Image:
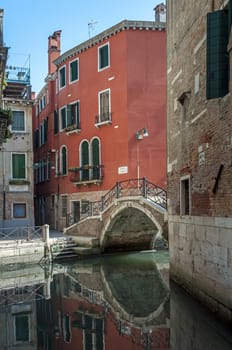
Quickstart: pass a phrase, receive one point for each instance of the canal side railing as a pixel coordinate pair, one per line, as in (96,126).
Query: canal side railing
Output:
(23,234)
(128,188)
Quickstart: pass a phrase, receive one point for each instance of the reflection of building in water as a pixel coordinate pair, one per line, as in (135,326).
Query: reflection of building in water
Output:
(103,307)
(111,304)
(22,293)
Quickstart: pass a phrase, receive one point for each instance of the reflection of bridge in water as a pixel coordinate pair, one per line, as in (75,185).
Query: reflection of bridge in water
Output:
(128,217)
(84,300)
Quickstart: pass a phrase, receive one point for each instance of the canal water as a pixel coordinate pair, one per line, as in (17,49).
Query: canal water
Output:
(113,302)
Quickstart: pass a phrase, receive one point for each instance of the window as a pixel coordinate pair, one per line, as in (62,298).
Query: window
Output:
(217,60)
(63,122)
(56,122)
(95,157)
(36,138)
(43,131)
(104,107)
(73,71)
(90,160)
(85,160)
(18,166)
(185,196)
(62,77)
(73,115)
(63,165)
(64,205)
(19,210)
(93,333)
(67,328)
(18,123)
(103,57)
(22,328)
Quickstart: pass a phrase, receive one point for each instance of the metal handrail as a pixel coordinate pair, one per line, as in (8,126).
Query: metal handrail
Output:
(127,188)
(25,233)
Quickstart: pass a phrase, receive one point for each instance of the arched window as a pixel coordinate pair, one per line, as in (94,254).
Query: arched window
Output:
(95,158)
(63,163)
(85,160)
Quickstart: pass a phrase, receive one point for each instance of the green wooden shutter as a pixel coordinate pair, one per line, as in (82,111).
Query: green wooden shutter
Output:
(104,56)
(69,115)
(217,59)
(74,70)
(78,115)
(85,159)
(63,118)
(56,125)
(36,139)
(18,166)
(45,129)
(96,158)
(64,161)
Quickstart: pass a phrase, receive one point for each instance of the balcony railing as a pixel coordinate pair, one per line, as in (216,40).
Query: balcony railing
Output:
(86,174)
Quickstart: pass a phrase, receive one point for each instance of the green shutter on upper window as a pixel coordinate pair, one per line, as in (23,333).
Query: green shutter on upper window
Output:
(95,152)
(104,56)
(69,115)
(18,166)
(64,160)
(217,56)
(85,160)
(36,138)
(63,118)
(56,125)
(74,70)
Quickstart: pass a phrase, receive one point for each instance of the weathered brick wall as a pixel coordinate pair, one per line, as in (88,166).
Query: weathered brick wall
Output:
(206,128)
(199,142)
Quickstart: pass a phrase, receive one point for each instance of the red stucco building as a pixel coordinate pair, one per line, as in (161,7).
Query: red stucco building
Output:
(100,101)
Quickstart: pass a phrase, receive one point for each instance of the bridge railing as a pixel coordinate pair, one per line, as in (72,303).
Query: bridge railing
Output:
(128,188)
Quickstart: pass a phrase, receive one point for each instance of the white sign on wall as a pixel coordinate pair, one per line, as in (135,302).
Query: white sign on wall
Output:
(123,170)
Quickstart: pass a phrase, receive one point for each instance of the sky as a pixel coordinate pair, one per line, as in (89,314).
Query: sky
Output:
(27,24)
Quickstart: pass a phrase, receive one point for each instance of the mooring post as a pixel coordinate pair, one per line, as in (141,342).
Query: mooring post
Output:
(46,233)
(47,251)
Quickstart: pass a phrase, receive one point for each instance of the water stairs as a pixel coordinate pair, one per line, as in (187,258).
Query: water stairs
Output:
(70,247)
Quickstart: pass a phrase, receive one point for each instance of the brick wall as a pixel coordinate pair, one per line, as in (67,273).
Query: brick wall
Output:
(199,146)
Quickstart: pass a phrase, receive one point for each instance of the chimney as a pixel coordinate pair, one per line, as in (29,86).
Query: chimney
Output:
(160,12)
(53,50)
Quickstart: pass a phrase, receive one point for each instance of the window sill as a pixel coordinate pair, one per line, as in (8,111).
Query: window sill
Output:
(19,182)
(73,131)
(107,122)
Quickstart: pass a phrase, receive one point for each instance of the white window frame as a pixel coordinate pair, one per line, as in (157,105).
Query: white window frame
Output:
(25,156)
(24,115)
(73,81)
(98,63)
(12,211)
(100,121)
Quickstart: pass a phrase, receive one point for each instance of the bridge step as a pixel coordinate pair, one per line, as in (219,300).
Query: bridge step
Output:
(86,242)
(86,251)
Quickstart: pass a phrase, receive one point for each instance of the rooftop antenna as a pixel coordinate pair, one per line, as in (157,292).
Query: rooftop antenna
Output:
(91,25)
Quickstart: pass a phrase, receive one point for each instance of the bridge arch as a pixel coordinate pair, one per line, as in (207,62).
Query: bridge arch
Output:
(131,222)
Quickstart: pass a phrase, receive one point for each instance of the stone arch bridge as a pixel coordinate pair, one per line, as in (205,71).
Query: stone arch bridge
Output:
(128,217)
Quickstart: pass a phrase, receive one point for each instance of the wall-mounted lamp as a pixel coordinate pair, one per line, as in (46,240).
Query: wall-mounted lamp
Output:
(140,134)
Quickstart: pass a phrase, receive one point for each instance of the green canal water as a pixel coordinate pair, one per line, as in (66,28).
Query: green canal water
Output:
(122,301)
